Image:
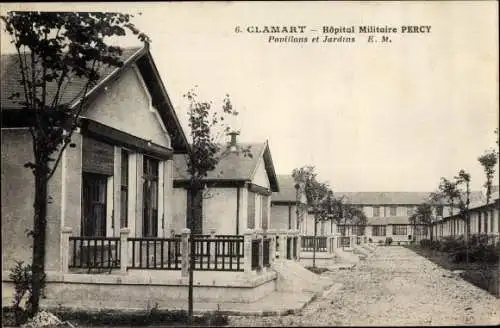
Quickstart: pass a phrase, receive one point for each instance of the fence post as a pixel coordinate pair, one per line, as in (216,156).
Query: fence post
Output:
(260,236)
(272,250)
(185,233)
(212,245)
(283,244)
(66,233)
(299,246)
(247,251)
(328,244)
(124,232)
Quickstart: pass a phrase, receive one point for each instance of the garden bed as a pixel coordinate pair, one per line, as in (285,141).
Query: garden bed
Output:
(317,270)
(483,275)
(127,318)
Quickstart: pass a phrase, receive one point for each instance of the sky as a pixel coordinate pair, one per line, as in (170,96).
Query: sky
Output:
(369,116)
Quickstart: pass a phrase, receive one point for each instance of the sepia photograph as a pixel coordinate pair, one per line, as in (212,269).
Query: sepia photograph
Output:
(239,163)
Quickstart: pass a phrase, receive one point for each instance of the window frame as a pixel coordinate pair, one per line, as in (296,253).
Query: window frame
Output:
(377,230)
(399,229)
(149,212)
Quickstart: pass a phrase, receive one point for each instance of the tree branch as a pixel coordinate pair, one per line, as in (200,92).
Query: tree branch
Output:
(67,139)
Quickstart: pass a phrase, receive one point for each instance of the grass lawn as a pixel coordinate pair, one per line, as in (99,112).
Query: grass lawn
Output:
(483,275)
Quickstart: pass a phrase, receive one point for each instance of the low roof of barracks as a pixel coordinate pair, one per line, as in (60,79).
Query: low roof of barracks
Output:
(380,198)
(234,167)
(14,114)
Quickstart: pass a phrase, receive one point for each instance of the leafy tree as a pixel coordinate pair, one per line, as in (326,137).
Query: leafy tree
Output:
(207,126)
(489,161)
(423,216)
(56,50)
(316,194)
(464,178)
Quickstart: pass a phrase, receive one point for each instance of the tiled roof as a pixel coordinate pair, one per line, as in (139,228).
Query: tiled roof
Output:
(10,75)
(287,191)
(387,220)
(13,116)
(390,198)
(232,166)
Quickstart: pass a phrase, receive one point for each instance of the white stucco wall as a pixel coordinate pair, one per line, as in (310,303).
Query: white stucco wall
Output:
(260,177)
(177,221)
(279,216)
(219,211)
(17,203)
(126,106)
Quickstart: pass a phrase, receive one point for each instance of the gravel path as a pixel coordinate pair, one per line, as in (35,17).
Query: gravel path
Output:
(393,287)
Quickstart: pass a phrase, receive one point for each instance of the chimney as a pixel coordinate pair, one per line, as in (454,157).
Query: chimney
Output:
(233,147)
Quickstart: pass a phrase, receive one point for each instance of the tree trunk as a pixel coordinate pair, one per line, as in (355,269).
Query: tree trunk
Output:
(193,217)
(314,241)
(39,240)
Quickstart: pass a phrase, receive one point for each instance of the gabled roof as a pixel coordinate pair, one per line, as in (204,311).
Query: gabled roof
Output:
(391,198)
(234,166)
(287,192)
(14,115)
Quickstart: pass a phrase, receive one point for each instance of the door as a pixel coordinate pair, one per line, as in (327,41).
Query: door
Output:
(94,188)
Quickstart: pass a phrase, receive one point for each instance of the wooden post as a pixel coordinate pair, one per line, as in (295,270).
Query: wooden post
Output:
(65,249)
(124,232)
(185,233)
(299,246)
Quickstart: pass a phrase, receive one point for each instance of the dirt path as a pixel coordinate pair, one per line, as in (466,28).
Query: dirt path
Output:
(395,287)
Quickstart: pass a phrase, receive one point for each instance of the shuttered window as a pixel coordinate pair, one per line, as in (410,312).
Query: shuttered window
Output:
(251,210)
(150,197)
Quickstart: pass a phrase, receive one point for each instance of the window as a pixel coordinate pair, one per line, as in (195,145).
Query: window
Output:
(251,210)
(341,229)
(376,211)
(378,230)
(94,193)
(439,210)
(124,190)
(392,211)
(479,223)
(358,230)
(150,197)
(399,229)
(264,204)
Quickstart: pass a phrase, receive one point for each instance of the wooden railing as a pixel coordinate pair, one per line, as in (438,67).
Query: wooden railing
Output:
(344,241)
(309,243)
(99,253)
(222,253)
(155,253)
(253,251)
